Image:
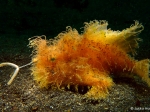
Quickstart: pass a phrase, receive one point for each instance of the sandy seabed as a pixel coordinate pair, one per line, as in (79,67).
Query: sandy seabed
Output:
(24,95)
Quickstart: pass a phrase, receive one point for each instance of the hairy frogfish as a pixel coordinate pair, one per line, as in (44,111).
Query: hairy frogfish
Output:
(88,59)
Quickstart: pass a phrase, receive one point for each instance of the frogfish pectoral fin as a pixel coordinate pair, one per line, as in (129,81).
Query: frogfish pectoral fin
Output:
(100,86)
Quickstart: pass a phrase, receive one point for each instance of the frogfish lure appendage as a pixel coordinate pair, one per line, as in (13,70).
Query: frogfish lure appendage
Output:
(88,59)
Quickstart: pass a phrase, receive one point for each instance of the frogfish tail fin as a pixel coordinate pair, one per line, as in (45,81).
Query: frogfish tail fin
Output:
(141,68)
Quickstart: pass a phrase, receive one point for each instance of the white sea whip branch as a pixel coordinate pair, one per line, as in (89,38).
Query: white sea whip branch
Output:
(16,71)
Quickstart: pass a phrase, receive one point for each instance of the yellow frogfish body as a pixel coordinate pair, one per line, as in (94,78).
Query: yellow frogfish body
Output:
(88,59)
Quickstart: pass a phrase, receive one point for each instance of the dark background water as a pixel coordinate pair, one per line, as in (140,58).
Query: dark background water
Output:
(22,19)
